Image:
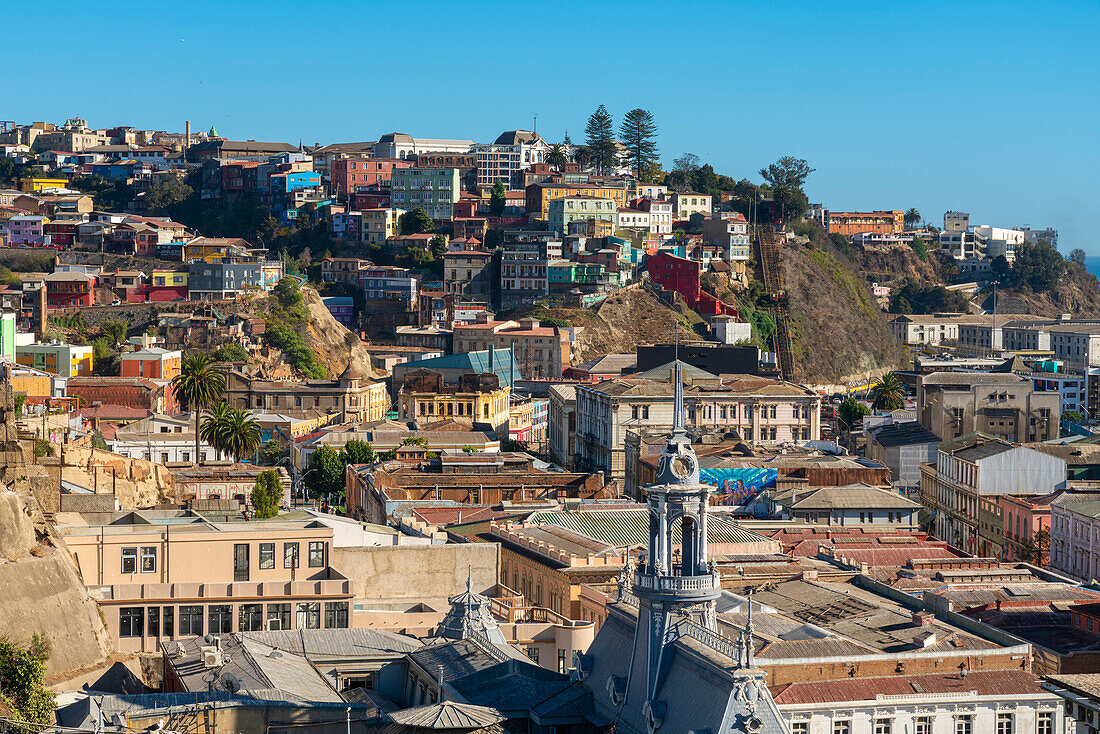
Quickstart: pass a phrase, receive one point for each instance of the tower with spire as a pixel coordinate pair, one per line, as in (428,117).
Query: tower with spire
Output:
(670,588)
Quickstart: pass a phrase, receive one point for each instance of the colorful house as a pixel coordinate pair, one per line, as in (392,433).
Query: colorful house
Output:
(153,362)
(27,230)
(66,360)
(685,277)
(69,289)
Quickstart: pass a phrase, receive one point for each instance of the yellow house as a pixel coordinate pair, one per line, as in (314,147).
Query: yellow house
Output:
(379,224)
(169,278)
(478,398)
(66,360)
(540,195)
(34,185)
(32,383)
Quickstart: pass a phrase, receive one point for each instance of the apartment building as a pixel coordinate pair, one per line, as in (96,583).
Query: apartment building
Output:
(660,216)
(730,233)
(435,190)
(343,269)
(162,575)
(378,225)
(760,410)
(540,195)
(540,352)
(953,404)
(506,158)
(963,490)
(569,209)
(153,362)
(1075,537)
(684,204)
(388,283)
(468,273)
(524,274)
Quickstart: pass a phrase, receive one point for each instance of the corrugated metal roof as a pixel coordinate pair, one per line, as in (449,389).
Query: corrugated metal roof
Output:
(630,527)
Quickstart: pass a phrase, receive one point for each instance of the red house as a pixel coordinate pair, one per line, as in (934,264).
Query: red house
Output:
(69,289)
(351,174)
(373,198)
(60,233)
(685,277)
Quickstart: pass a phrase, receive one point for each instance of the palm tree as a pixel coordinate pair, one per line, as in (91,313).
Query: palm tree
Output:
(556,156)
(889,393)
(198,385)
(582,155)
(213,429)
(912,217)
(242,434)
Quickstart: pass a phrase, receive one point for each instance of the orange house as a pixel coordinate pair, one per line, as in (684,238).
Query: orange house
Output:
(153,363)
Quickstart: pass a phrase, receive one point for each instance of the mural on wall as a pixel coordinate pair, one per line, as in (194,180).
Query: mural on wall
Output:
(738,487)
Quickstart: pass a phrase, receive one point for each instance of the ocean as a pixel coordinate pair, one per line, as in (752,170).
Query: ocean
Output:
(1092,264)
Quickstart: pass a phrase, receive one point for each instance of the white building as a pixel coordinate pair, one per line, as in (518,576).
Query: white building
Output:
(956,221)
(981,702)
(161,439)
(632,219)
(401,145)
(1075,537)
(507,157)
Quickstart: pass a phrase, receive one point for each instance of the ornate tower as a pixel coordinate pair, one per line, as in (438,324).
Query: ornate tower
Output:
(668,588)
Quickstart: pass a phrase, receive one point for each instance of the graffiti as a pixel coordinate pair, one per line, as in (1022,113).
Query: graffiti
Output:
(738,487)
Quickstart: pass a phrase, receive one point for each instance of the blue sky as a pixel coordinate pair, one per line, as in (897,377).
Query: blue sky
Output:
(987,107)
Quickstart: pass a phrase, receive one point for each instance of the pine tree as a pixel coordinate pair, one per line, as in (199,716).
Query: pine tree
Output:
(639,134)
(497,199)
(600,133)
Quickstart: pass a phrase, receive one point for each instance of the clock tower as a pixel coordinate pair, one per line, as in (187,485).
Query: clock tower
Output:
(670,588)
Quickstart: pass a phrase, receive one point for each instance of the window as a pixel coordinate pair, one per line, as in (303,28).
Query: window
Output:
(250,618)
(800,727)
(533,654)
(561,660)
(221,619)
(336,615)
(131,622)
(1005,723)
(316,554)
(191,620)
(267,556)
(1045,722)
(883,726)
(964,724)
(129,560)
(278,617)
(148,559)
(842,727)
(154,621)
(309,615)
(290,555)
(169,614)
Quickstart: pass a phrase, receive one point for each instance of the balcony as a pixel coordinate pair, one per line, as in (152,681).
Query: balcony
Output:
(672,584)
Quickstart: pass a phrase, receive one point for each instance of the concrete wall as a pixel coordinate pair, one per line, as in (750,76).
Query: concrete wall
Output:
(417,572)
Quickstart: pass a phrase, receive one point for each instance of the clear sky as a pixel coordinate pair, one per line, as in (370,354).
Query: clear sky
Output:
(986,107)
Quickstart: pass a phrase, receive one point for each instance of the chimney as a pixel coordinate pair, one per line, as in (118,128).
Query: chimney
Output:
(186,139)
(491,352)
(922,618)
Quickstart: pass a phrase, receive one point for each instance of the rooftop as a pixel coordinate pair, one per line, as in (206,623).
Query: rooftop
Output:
(976,683)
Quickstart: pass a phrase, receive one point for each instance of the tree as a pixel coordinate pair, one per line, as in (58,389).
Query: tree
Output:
(415,221)
(556,156)
(287,292)
(267,495)
(114,331)
(1077,255)
(786,178)
(920,248)
(639,135)
(439,246)
(198,386)
(358,452)
(582,156)
(911,217)
(215,426)
(497,199)
(1039,266)
(600,137)
(232,352)
(270,452)
(850,411)
(889,393)
(242,436)
(103,356)
(686,163)
(22,670)
(324,477)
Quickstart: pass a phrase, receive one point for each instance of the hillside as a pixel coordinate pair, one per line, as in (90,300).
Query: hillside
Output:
(627,318)
(839,331)
(1077,293)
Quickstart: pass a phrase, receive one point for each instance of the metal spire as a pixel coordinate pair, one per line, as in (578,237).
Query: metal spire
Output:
(678,405)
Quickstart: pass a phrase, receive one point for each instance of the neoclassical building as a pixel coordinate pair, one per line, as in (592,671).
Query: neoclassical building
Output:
(354,397)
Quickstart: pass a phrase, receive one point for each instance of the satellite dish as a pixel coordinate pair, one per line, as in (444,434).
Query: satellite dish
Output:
(231,682)
(209,639)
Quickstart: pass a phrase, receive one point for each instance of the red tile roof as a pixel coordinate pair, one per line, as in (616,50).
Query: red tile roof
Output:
(985,683)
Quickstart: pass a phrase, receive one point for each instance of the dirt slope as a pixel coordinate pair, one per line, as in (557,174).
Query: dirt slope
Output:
(838,329)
